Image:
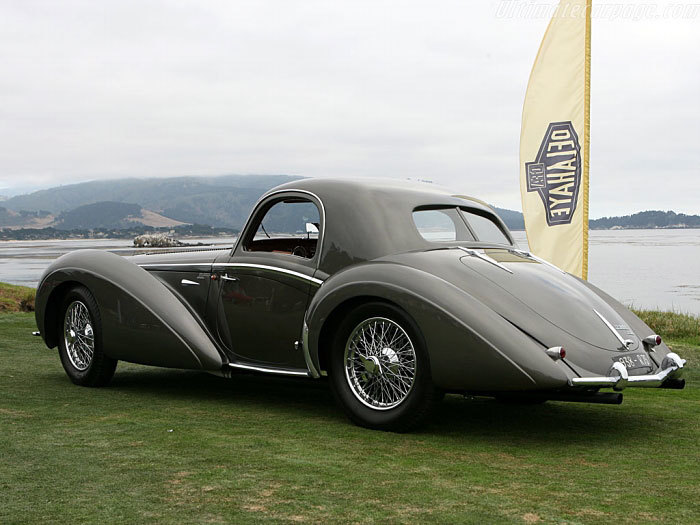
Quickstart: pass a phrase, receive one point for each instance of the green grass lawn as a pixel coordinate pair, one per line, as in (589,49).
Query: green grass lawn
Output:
(173,446)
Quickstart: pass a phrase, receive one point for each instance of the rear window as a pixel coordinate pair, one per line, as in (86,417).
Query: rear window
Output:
(441,225)
(485,228)
(457,224)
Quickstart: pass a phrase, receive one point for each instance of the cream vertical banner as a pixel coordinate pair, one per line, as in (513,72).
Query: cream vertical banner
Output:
(554,141)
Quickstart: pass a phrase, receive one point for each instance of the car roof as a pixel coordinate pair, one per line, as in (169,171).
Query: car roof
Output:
(424,193)
(368,218)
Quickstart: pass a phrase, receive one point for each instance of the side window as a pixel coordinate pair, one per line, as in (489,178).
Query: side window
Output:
(485,228)
(441,225)
(290,226)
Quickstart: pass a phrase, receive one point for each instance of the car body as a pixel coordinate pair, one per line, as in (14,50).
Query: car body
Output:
(439,271)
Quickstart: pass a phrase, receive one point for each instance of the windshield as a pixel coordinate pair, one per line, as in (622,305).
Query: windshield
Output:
(450,224)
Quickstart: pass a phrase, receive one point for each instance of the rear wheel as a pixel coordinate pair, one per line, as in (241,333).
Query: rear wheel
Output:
(379,369)
(80,340)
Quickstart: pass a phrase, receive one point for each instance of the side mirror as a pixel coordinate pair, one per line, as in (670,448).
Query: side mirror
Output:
(311,227)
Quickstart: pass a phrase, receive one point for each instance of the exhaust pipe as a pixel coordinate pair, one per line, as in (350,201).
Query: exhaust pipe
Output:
(673,384)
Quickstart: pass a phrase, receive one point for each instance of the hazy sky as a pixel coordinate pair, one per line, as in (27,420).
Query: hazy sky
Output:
(421,89)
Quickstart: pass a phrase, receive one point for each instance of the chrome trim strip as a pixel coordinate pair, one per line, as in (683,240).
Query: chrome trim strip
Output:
(307,353)
(484,257)
(277,269)
(671,367)
(196,267)
(626,343)
(269,370)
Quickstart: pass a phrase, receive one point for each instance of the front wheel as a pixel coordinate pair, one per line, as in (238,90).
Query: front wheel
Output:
(380,371)
(80,340)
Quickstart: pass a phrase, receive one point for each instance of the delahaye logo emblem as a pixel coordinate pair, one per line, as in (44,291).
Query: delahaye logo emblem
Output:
(556,172)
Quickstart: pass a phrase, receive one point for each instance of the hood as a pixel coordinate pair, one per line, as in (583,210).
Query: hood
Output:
(536,297)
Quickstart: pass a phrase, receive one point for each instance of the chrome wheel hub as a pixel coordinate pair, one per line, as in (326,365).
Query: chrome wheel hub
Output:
(380,363)
(78,335)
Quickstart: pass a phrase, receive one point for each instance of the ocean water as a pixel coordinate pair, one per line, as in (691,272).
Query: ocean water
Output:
(657,269)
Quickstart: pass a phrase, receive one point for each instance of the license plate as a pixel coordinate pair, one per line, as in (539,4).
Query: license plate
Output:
(632,361)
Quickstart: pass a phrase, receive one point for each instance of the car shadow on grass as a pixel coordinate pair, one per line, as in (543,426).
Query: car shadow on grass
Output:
(552,422)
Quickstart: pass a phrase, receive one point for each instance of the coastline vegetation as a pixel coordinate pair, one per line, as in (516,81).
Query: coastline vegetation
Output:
(672,325)
(15,298)
(187,230)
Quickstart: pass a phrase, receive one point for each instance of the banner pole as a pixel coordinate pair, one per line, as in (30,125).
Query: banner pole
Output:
(586,137)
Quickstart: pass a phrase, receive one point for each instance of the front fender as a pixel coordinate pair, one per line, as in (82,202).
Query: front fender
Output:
(142,321)
(470,346)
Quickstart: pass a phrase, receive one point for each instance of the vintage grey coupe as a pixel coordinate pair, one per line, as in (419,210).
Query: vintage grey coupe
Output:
(397,292)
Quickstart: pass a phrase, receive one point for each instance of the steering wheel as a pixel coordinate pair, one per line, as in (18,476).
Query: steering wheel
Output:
(300,251)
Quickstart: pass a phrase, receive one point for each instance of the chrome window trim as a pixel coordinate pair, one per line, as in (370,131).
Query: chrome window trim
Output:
(263,199)
(266,267)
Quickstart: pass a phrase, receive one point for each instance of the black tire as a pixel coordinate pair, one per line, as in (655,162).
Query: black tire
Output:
(97,370)
(420,400)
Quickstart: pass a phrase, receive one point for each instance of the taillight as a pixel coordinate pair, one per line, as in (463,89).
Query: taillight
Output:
(556,352)
(653,340)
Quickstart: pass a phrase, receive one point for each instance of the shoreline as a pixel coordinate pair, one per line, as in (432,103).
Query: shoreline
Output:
(234,235)
(69,237)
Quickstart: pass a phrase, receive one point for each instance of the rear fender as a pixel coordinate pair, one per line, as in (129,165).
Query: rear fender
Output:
(470,347)
(142,320)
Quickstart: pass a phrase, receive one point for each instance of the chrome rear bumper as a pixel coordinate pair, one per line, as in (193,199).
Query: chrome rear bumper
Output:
(619,379)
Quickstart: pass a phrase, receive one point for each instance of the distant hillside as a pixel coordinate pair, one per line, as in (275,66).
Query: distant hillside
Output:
(220,202)
(24,218)
(110,215)
(223,201)
(647,220)
(513,219)
(642,220)
(105,215)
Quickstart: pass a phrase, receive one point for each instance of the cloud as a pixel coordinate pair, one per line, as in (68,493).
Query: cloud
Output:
(365,88)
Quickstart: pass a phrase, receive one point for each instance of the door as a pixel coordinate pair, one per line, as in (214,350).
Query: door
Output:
(266,285)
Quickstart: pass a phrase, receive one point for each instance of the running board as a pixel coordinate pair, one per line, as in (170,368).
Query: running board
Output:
(298,372)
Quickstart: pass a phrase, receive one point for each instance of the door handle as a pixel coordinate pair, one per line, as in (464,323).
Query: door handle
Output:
(225,277)
(187,282)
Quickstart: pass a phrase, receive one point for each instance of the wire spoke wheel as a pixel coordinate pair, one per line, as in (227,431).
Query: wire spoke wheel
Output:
(78,334)
(380,363)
